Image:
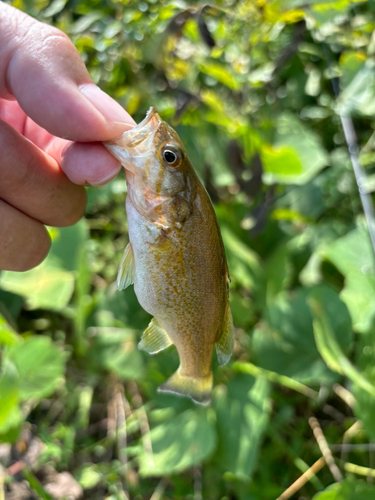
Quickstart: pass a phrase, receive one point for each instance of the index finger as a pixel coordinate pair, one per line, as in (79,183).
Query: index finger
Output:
(43,71)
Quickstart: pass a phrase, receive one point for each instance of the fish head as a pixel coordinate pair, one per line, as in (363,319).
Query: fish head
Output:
(153,156)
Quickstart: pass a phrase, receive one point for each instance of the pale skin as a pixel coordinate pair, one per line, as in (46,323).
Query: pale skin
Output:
(52,121)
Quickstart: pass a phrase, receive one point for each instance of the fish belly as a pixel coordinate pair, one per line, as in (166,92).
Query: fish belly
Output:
(178,280)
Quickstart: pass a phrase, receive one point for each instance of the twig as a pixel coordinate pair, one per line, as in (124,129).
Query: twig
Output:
(370,479)
(353,430)
(353,447)
(337,415)
(159,490)
(348,434)
(197,482)
(2,477)
(15,468)
(324,448)
(143,421)
(302,480)
(360,176)
(358,469)
(111,412)
(290,383)
(359,173)
(345,395)
(121,434)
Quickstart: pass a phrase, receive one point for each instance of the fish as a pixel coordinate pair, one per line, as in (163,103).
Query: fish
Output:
(175,256)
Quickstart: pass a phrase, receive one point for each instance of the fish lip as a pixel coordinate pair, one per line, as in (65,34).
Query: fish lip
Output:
(140,132)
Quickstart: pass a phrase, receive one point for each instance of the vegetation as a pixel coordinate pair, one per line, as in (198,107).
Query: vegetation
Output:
(250,88)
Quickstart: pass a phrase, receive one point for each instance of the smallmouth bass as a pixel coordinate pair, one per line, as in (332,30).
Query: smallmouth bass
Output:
(175,256)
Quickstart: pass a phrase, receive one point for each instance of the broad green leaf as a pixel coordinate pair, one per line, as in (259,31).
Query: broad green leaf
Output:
(54,8)
(186,440)
(220,73)
(51,284)
(286,343)
(242,412)
(67,245)
(115,349)
(85,22)
(7,335)
(350,64)
(280,161)
(244,263)
(349,489)
(353,256)
(40,366)
(364,408)
(359,96)
(328,346)
(297,153)
(277,272)
(9,396)
(88,477)
(44,287)
(10,303)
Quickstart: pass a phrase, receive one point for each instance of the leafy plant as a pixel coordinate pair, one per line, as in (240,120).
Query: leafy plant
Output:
(249,87)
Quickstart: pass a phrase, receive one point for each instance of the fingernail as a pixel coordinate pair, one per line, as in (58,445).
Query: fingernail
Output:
(109,108)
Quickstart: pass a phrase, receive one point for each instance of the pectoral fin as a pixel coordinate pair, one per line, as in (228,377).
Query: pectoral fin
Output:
(154,338)
(224,346)
(126,270)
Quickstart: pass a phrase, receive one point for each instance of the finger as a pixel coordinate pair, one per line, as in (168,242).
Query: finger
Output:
(88,164)
(24,241)
(34,183)
(42,69)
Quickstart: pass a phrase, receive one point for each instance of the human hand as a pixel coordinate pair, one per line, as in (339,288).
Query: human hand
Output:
(52,120)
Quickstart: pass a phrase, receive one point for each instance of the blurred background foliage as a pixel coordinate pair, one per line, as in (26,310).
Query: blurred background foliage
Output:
(248,85)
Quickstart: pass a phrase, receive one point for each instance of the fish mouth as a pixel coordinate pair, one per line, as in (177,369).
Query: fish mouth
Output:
(131,138)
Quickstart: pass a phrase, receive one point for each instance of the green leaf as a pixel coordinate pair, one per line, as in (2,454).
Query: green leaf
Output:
(349,489)
(280,161)
(40,366)
(179,443)
(244,263)
(67,245)
(286,343)
(359,96)
(364,408)
(353,256)
(7,335)
(277,272)
(328,345)
(220,73)
(297,153)
(44,287)
(242,412)
(9,397)
(115,349)
(85,22)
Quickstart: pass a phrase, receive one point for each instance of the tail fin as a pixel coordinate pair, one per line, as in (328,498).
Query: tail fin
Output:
(199,389)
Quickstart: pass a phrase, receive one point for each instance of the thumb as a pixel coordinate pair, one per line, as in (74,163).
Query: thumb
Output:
(43,71)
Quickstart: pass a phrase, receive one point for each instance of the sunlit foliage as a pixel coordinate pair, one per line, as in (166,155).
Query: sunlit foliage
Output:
(250,87)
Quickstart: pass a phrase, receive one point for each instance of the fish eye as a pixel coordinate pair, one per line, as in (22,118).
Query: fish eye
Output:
(171,156)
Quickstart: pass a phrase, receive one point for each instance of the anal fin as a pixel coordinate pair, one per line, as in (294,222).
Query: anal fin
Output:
(154,338)
(225,344)
(126,270)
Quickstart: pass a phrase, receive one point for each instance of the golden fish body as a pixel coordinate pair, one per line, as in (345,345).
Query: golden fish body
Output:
(175,256)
